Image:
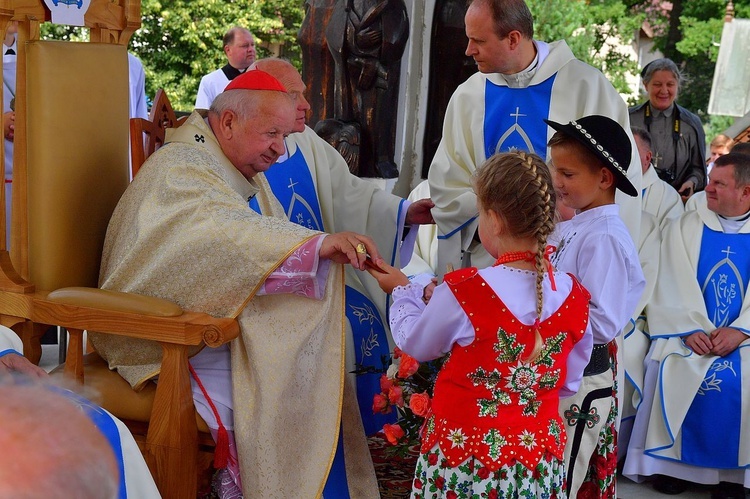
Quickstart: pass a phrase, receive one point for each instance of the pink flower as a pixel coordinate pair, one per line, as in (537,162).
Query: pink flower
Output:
(396,396)
(396,352)
(408,366)
(393,432)
(385,383)
(380,404)
(419,403)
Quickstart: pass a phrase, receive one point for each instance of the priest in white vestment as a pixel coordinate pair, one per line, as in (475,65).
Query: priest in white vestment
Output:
(659,198)
(520,82)
(183,231)
(693,421)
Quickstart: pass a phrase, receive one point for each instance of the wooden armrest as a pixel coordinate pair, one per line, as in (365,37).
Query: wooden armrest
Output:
(115,301)
(132,315)
(129,314)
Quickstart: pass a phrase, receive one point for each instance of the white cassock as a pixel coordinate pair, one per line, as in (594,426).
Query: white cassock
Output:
(697,199)
(424,258)
(487,114)
(635,338)
(702,284)
(138,481)
(660,199)
(137,80)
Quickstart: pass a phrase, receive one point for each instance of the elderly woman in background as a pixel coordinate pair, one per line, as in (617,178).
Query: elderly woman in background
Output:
(678,140)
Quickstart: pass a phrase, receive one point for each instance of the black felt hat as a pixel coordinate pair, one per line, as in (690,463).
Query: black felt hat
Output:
(608,141)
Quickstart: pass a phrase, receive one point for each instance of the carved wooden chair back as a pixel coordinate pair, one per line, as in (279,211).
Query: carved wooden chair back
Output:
(148,135)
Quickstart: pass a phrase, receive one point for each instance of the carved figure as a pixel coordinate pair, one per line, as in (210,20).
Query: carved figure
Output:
(367,39)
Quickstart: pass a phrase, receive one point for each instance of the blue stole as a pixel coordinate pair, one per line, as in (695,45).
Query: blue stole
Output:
(723,272)
(106,425)
(293,186)
(513,117)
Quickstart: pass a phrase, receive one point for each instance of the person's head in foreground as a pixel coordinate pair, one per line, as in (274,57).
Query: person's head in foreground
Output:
(50,448)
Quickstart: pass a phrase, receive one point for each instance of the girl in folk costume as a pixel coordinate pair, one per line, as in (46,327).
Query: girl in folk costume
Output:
(518,338)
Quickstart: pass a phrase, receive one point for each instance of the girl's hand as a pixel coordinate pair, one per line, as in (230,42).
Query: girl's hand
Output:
(388,277)
(428,290)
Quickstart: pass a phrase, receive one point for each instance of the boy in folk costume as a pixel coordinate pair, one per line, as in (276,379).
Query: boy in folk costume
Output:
(590,158)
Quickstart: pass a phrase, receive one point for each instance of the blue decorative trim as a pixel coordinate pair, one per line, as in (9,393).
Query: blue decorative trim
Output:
(450,234)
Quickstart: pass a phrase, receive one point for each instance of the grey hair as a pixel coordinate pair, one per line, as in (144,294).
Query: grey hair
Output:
(663,64)
(242,102)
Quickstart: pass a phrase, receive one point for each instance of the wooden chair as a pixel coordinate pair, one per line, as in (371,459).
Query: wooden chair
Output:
(70,169)
(148,135)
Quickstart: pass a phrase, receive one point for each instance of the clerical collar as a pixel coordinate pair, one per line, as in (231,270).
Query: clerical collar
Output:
(667,112)
(10,49)
(738,218)
(732,225)
(522,78)
(231,72)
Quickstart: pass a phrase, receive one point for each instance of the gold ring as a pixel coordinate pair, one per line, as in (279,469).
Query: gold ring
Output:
(361,248)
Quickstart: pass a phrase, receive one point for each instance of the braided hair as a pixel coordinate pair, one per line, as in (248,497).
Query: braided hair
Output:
(518,187)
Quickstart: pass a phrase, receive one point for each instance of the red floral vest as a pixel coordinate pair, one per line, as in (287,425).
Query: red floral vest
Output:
(488,402)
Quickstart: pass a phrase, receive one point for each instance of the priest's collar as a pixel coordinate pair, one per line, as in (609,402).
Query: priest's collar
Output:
(742,217)
(523,78)
(231,72)
(732,225)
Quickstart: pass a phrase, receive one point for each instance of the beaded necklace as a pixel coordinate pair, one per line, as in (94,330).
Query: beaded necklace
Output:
(528,256)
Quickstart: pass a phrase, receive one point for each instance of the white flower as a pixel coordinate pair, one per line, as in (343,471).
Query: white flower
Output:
(457,438)
(527,439)
(393,369)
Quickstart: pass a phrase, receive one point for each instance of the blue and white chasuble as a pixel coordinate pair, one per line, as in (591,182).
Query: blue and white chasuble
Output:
(723,274)
(295,189)
(513,118)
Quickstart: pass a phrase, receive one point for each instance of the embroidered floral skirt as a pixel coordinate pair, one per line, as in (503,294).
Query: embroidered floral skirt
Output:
(434,478)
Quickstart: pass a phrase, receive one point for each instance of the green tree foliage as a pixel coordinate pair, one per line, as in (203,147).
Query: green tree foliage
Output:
(692,39)
(180,41)
(591,29)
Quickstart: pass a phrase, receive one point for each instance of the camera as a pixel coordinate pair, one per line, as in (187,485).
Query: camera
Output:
(666,175)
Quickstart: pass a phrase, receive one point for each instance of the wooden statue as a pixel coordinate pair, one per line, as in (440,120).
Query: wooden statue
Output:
(449,67)
(366,39)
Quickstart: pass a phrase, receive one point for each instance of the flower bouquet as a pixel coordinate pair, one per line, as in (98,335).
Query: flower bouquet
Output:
(406,385)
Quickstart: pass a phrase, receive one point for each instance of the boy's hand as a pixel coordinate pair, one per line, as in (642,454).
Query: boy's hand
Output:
(388,277)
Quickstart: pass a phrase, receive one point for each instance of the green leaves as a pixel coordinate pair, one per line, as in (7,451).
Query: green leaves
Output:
(180,40)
